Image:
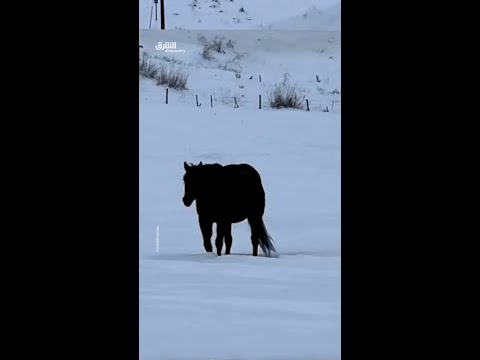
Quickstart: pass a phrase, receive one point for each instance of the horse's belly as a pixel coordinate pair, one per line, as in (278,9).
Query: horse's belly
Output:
(229,217)
(237,218)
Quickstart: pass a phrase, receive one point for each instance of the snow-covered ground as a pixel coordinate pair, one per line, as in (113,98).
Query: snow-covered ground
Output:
(322,15)
(195,306)
(239,307)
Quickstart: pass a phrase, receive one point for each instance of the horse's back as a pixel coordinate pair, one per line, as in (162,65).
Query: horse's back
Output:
(237,193)
(242,171)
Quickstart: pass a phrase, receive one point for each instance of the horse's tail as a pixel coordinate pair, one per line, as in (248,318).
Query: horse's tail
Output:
(266,241)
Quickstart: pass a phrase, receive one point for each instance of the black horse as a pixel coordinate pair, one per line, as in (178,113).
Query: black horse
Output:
(225,195)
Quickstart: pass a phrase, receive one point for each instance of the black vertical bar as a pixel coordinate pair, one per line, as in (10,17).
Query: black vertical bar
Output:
(156,12)
(166,100)
(260,78)
(259,101)
(308,107)
(196,97)
(211,100)
(162,15)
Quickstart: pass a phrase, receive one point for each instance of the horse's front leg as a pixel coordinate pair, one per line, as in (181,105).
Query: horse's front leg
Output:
(206,228)
(228,238)
(221,228)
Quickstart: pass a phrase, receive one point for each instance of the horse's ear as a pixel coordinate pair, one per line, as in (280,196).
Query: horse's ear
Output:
(185,165)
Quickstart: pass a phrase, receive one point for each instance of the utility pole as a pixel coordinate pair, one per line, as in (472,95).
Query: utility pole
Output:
(162,15)
(156,9)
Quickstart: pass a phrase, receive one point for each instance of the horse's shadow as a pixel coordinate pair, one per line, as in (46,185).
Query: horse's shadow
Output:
(207,257)
(204,257)
(313,253)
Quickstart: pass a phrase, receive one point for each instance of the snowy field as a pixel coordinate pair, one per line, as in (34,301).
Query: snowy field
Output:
(321,15)
(195,305)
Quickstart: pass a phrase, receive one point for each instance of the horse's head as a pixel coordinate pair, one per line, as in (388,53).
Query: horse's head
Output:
(191,180)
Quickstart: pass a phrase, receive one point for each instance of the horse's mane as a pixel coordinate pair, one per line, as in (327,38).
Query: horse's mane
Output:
(214,164)
(211,166)
(208,168)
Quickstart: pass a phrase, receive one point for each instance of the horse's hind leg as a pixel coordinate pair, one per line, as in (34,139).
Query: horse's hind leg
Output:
(255,235)
(206,228)
(228,238)
(220,235)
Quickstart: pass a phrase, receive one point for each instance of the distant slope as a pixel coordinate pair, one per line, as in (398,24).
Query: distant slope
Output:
(310,59)
(314,19)
(244,14)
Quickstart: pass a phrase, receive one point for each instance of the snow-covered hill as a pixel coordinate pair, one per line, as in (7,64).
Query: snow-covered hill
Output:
(252,66)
